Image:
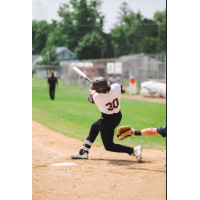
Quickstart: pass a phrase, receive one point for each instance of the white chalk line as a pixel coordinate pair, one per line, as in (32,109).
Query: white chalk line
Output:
(50,149)
(64,164)
(59,174)
(54,151)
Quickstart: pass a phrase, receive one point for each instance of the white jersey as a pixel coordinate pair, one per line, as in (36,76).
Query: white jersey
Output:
(109,103)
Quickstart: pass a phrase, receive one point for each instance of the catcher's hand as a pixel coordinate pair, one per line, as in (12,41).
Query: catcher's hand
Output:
(124,132)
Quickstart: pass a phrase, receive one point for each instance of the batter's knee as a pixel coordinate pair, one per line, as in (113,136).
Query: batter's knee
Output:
(108,147)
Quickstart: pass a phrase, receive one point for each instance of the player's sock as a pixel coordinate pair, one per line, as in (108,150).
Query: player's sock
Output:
(85,148)
(81,152)
(132,151)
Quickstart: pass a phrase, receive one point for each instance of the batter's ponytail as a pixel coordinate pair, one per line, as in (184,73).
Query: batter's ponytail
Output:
(107,90)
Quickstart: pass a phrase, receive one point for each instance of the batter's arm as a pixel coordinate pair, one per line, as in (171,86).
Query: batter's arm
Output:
(90,99)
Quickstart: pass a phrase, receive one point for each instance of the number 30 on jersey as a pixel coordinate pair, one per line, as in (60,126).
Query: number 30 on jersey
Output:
(114,104)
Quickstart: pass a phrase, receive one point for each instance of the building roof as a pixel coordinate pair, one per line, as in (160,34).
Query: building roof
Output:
(128,57)
(58,50)
(39,58)
(34,57)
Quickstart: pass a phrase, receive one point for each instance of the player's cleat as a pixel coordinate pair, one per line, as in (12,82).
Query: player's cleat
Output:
(77,155)
(137,153)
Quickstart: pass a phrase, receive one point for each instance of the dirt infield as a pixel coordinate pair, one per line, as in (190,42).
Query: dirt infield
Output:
(105,175)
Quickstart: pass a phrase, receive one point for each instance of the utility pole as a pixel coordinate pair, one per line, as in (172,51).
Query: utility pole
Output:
(115,50)
(158,47)
(158,37)
(102,51)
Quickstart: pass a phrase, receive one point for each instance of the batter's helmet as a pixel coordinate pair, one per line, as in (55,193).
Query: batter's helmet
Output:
(100,84)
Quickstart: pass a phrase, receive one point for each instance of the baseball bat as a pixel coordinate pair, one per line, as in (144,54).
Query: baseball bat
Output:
(78,71)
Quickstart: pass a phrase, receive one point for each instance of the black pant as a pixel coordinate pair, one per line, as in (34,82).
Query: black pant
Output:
(106,125)
(52,93)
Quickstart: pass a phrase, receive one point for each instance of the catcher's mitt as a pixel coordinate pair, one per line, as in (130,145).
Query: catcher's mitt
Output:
(124,132)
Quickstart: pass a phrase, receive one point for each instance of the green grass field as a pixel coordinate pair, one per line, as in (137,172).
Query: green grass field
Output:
(71,114)
(37,81)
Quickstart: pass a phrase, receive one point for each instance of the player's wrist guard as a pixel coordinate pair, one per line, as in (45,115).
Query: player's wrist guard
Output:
(137,132)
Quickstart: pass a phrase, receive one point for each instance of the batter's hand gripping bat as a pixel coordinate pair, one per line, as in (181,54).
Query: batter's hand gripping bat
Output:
(78,71)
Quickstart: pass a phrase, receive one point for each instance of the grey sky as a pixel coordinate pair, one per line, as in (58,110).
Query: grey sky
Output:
(47,9)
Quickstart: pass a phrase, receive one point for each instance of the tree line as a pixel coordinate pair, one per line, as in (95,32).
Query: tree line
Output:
(81,30)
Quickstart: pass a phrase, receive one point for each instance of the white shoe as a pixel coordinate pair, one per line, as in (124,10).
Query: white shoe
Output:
(137,153)
(77,155)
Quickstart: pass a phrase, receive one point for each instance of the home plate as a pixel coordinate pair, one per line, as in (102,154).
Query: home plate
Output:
(64,164)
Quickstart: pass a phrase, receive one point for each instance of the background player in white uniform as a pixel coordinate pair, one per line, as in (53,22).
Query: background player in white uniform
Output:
(107,98)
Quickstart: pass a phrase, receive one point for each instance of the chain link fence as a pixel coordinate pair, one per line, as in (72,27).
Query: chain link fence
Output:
(142,66)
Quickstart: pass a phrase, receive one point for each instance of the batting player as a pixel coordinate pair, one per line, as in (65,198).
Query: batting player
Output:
(107,98)
(51,82)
